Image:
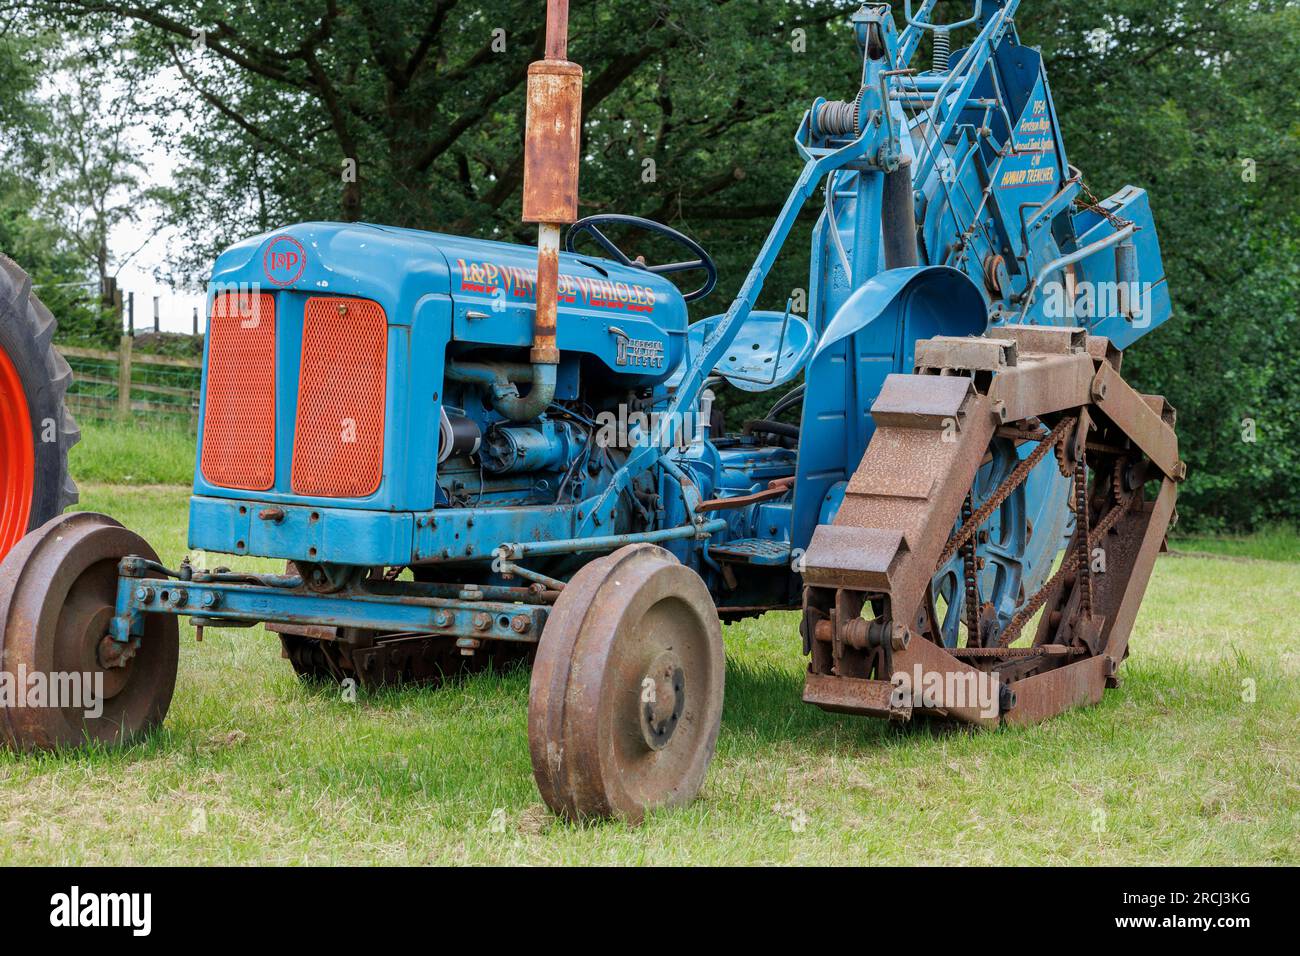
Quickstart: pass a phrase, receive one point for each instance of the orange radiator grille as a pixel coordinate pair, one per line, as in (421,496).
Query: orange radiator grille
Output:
(239,412)
(338,445)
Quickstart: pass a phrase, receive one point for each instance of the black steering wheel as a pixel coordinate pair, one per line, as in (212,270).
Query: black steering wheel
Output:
(702,259)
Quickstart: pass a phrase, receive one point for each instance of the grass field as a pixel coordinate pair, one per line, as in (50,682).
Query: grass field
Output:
(129,454)
(1195,759)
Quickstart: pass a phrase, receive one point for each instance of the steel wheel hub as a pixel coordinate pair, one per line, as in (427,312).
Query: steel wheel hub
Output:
(663,697)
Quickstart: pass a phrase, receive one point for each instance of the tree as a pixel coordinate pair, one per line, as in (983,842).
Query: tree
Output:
(26,234)
(90,177)
(409,112)
(1184,99)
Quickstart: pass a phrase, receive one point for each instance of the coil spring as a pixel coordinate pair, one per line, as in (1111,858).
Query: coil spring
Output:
(838,117)
(942,46)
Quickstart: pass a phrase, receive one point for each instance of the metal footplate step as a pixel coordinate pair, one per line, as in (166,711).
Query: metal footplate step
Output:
(871,618)
(760,551)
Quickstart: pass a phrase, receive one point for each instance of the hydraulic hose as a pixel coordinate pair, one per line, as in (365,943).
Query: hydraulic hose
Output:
(768,427)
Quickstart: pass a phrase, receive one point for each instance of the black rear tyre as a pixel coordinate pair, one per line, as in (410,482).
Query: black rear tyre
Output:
(36,429)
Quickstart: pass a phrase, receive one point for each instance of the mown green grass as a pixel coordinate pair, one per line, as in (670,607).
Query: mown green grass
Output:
(1272,544)
(138,452)
(1181,764)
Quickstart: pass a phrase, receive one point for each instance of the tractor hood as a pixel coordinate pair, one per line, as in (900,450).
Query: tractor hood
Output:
(632,320)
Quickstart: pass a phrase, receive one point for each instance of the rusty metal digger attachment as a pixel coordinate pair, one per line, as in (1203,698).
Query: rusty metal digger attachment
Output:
(872,608)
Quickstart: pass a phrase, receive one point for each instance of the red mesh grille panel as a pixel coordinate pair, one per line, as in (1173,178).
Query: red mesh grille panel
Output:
(239,411)
(338,445)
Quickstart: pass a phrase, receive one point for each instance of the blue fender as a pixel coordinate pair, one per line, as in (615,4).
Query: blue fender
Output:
(872,335)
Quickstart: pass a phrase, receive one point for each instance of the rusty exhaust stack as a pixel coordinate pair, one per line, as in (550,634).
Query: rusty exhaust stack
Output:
(551,144)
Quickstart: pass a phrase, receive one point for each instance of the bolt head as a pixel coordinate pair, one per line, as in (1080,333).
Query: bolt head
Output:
(900,638)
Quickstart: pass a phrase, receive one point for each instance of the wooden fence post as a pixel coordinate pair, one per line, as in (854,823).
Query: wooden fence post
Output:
(124,377)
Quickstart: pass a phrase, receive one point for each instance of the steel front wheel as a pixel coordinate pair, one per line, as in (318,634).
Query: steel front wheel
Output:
(58,590)
(626,696)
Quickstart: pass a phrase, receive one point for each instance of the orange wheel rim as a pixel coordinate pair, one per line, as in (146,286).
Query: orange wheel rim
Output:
(18,480)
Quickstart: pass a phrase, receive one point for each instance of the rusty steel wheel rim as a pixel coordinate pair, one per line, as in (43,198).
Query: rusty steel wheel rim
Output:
(57,593)
(626,697)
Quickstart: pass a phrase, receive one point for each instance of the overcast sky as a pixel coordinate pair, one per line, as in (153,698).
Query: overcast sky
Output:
(175,308)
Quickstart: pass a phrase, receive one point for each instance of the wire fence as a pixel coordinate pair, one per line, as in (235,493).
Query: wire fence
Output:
(153,377)
(128,384)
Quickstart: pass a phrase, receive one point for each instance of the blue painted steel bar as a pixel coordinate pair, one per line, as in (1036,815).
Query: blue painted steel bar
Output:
(609,542)
(508,568)
(690,494)
(1076,256)
(1052,207)
(217,605)
(913,21)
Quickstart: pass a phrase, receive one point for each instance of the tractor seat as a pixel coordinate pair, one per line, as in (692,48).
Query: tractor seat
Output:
(770,349)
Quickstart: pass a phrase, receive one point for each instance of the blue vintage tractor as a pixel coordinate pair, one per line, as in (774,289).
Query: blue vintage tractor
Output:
(470,452)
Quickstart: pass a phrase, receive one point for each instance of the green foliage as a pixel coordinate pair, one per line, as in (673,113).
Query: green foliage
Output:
(28,234)
(426,100)
(90,175)
(58,275)
(1189,103)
